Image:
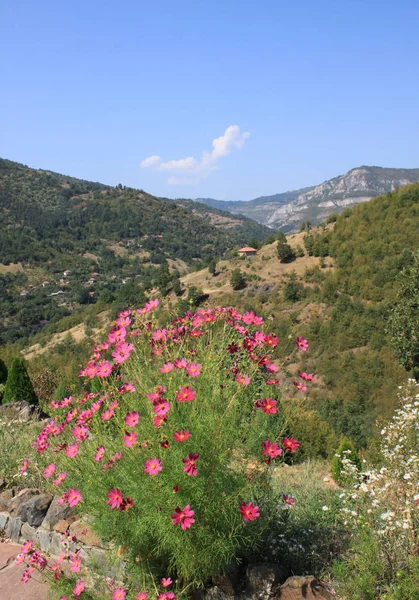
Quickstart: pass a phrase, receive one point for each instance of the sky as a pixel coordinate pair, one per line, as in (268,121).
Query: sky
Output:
(224,98)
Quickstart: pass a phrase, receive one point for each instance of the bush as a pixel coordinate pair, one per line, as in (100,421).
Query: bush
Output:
(3,372)
(168,460)
(381,510)
(238,280)
(346,451)
(19,385)
(285,253)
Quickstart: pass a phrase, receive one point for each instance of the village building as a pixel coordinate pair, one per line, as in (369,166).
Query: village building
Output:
(247,251)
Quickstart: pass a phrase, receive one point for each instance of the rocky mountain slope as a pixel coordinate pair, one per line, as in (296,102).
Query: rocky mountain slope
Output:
(287,211)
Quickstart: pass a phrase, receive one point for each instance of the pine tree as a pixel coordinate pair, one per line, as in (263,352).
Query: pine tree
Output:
(3,372)
(19,385)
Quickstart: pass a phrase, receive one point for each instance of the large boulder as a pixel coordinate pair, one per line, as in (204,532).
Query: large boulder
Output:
(56,512)
(263,579)
(304,588)
(84,533)
(19,500)
(34,510)
(13,528)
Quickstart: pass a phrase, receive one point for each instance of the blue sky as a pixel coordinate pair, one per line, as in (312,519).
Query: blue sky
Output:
(296,92)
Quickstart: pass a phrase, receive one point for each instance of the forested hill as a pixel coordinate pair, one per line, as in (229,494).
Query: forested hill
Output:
(45,214)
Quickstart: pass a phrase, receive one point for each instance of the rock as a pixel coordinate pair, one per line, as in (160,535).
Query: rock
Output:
(57,545)
(8,494)
(34,510)
(28,532)
(13,528)
(307,588)
(44,539)
(2,485)
(263,579)
(21,411)
(4,517)
(16,503)
(212,593)
(5,497)
(85,534)
(55,514)
(64,524)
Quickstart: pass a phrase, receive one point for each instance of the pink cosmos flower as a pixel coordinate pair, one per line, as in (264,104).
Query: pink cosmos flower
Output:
(152,466)
(152,304)
(166,596)
(104,368)
(271,449)
(20,558)
(124,320)
(126,387)
(167,368)
(107,414)
(27,547)
(122,352)
(166,582)
(183,517)
(100,453)
(288,499)
(180,363)
(158,421)
(141,596)
(271,368)
(159,335)
(300,386)
(80,432)
(271,340)
(306,376)
(115,498)
(290,444)
(249,512)
(27,574)
(243,379)
(73,497)
(25,466)
(132,419)
(117,335)
(190,464)
(181,435)
(302,344)
(161,407)
(185,394)
(193,369)
(72,450)
(60,478)
(129,438)
(79,588)
(119,594)
(75,562)
(267,405)
(49,470)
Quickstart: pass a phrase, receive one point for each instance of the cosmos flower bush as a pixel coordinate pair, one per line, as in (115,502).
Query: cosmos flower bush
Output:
(173,457)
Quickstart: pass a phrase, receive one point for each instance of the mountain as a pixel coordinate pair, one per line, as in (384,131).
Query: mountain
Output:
(104,236)
(289,210)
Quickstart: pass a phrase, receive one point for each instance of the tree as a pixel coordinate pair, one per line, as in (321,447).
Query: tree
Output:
(403,325)
(19,385)
(237,280)
(292,291)
(285,253)
(176,286)
(3,372)
(280,236)
(212,266)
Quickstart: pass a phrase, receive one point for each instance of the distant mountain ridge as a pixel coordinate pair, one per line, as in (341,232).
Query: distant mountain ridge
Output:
(288,210)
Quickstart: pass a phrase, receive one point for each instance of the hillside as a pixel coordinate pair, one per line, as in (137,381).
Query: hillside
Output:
(289,210)
(67,242)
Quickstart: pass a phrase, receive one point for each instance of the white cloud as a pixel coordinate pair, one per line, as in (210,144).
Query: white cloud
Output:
(194,169)
(151,161)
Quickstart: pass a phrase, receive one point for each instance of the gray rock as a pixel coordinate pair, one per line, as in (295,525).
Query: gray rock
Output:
(7,493)
(4,504)
(4,517)
(44,539)
(28,532)
(55,514)
(263,579)
(22,411)
(34,510)
(13,528)
(307,587)
(16,503)
(57,545)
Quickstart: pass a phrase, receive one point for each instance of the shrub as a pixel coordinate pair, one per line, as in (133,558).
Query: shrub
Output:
(237,280)
(381,510)
(19,385)
(285,253)
(173,456)
(3,372)
(345,451)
